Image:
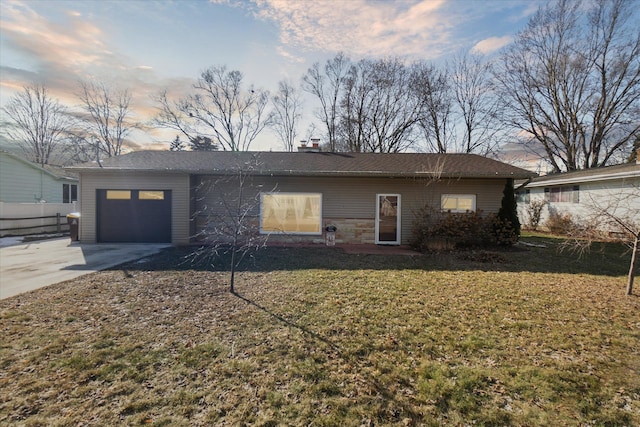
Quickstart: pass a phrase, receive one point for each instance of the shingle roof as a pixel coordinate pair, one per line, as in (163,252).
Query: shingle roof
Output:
(627,170)
(312,164)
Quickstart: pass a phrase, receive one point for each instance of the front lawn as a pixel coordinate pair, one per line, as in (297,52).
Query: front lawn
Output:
(320,337)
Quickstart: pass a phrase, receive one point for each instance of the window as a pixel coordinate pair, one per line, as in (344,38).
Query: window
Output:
(295,213)
(118,194)
(150,195)
(562,194)
(69,193)
(458,203)
(524,196)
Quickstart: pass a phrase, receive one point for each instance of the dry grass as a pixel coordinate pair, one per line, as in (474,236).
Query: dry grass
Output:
(320,337)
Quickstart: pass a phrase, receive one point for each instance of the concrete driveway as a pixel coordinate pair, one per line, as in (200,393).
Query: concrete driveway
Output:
(28,266)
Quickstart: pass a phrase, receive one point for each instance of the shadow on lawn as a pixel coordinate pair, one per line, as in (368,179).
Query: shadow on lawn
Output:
(603,259)
(394,408)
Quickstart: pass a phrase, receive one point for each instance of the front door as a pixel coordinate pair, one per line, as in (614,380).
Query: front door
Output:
(388,219)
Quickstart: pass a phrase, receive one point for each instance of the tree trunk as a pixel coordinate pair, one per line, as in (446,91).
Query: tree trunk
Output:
(233,270)
(632,267)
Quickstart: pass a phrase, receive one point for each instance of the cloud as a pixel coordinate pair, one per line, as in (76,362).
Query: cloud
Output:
(529,9)
(363,28)
(73,44)
(491,44)
(62,53)
(282,51)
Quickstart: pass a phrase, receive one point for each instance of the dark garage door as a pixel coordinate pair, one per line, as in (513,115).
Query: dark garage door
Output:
(134,216)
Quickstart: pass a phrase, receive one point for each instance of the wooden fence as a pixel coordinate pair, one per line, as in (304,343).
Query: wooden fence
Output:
(22,219)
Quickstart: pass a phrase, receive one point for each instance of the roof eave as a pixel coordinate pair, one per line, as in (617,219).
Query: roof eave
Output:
(386,174)
(583,178)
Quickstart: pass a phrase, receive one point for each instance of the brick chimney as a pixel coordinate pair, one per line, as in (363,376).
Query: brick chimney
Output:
(315,146)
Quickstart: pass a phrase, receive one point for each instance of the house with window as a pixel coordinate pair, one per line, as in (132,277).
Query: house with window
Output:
(22,181)
(580,193)
(172,196)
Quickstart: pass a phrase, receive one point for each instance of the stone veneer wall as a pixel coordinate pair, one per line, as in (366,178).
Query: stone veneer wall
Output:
(349,230)
(353,230)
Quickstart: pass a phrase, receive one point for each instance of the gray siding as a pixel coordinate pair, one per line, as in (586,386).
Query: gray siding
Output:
(177,183)
(355,198)
(21,182)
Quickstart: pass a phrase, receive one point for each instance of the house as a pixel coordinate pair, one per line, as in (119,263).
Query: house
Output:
(580,194)
(168,196)
(22,181)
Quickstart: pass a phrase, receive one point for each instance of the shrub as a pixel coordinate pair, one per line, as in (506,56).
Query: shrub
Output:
(435,230)
(560,222)
(534,213)
(505,233)
(508,214)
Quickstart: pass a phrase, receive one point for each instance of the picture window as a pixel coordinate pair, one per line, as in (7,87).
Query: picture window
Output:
(291,213)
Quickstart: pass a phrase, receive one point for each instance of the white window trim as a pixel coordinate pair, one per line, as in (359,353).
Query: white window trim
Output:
(291,233)
(377,240)
(443,197)
(573,189)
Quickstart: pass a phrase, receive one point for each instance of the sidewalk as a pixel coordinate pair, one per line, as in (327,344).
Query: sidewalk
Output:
(28,266)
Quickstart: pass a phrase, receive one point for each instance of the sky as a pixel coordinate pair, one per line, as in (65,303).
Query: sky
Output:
(150,46)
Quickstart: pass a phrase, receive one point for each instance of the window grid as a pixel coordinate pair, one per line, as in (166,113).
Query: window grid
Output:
(562,194)
(458,203)
(291,213)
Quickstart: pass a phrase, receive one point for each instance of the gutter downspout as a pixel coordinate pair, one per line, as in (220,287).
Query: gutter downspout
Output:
(41,187)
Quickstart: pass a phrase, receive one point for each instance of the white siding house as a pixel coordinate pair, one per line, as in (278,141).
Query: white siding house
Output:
(581,193)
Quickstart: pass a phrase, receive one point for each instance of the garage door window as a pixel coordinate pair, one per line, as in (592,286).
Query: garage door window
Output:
(118,194)
(151,195)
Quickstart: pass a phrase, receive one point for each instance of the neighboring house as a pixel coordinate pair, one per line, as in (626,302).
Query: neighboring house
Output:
(581,193)
(24,182)
(160,196)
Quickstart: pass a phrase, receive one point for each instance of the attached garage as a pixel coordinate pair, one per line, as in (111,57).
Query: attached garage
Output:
(133,216)
(143,206)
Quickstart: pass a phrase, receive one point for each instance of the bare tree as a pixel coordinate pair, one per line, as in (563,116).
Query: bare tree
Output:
(38,123)
(355,101)
(326,84)
(477,106)
(436,118)
(612,214)
(174,114)
(228,222)
(622,220)
(218,109)
(78,145)
(571,81)
(311,133)
(107,122)
(378,111)
(287,106)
